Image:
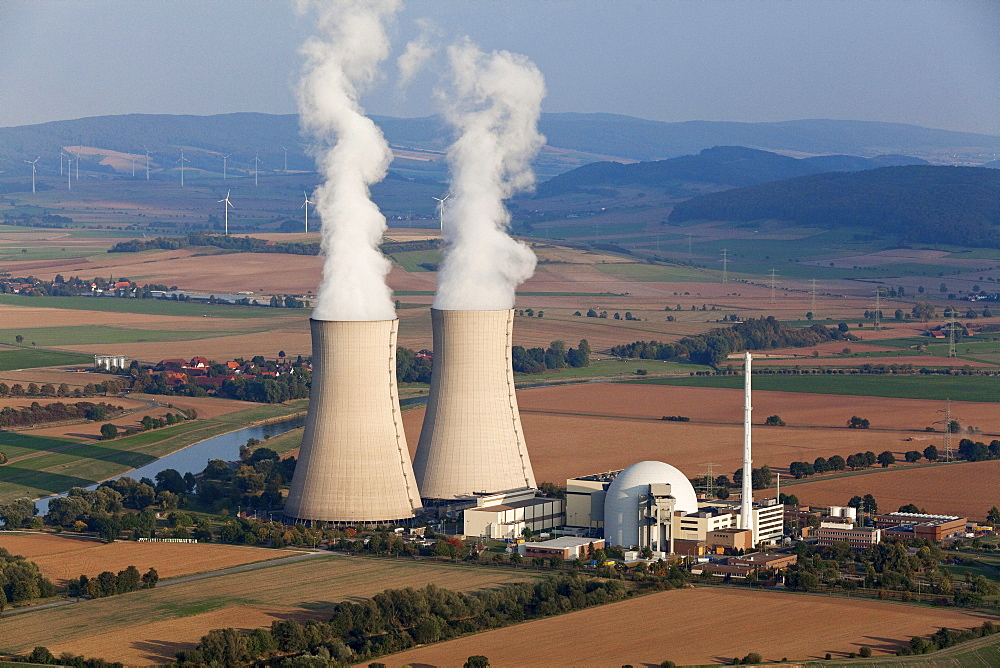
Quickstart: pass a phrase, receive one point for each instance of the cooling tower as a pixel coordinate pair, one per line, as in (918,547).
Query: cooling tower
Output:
(471,440)
(353,466)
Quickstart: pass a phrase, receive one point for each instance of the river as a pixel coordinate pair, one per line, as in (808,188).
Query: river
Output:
(193,458)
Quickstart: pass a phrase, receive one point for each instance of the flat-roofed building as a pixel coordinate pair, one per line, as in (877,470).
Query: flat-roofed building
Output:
(858,538)
(930,527)
(731,540)
(565,547)
(698,525)
(507,514)
(585,500)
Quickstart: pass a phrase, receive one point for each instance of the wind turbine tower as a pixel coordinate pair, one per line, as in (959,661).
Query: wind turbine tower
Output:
(746,498)
(33,163)
(286,159)
(224,159)
(69,172)
(61,155)
(182,161)
(440,202)
(306,205)
(77,166)
(256,168)
(725,265)
(147,161)
(226,208)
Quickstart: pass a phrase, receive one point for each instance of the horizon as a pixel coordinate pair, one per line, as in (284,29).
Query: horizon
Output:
(713,61)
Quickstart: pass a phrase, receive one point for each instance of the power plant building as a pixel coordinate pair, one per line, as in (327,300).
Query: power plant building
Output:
(641,502)
(471,441)
(505,515)
(354,466)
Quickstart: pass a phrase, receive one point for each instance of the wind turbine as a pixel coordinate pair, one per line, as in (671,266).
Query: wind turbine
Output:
(224,159)
(32,163)
(286,159)
(182,161)
(440,202)
(147,161)
(226,207)
(306,205)
(69,172)
(256,167)
(77,166)
(61,155)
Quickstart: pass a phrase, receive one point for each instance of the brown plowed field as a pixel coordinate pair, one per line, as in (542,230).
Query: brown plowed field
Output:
(580,429)
(696,626)
(151,625)
(63,557)
(967,489)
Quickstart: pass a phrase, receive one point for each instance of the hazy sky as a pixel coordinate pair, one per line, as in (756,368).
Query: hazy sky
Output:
(932,63)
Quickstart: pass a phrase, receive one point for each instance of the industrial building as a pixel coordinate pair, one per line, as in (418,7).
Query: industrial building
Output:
(354,466)
(920,525)
(567,548)
(505,515)
(471,441)
(585,500)
(640,504)
(859,538)
(110,362)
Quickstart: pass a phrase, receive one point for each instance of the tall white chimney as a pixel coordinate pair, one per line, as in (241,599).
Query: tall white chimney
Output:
(746,499)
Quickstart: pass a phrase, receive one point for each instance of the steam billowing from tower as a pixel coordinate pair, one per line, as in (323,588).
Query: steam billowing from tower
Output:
(495,109)
(471,439)
(354,466)
(354,286)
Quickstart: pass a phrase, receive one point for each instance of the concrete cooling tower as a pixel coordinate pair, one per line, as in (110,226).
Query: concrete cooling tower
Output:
(353,466)
(471,439)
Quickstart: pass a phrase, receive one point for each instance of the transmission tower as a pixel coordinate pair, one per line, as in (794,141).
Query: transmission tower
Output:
(725,265)
(773,274)
(710,481)
(948,453)
(878,308)
(813,304)
(951,336)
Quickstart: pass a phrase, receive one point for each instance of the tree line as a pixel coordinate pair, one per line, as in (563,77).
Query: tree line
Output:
(56,412)
(21,580)
(108,583)
(714,346)
(397,619)
(556,356)
(248,244)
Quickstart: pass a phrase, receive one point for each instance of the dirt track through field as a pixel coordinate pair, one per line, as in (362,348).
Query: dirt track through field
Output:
(696,626)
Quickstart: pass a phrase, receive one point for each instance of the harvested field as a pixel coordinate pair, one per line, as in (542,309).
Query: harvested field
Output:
(64,557)
(967,489)
(580,429)
(151,625)
(688,626)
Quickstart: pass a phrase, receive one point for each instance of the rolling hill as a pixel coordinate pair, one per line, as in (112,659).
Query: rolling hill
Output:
(955,205)
(721,166)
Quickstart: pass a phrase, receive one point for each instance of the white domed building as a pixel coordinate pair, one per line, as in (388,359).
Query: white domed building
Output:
(640,504)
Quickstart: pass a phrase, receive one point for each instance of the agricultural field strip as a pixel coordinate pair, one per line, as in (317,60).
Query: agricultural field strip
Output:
(983,652)
(956,388)
(148,307)
(279,560)
(90,334)
(310,583)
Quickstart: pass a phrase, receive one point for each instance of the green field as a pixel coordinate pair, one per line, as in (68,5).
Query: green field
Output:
(54,465)
(148,306)
(28,253)
(411,260)
(958,388)
(609,368)
(89,334)
(983,652)
(30,358)
(658,273)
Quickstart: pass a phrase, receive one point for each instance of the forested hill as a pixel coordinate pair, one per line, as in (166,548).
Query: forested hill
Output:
(958,205)
(727,166)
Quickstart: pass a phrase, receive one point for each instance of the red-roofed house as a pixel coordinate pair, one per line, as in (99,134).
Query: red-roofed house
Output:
(199,362)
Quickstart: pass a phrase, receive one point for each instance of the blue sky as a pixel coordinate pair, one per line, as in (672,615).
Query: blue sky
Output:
(927,62)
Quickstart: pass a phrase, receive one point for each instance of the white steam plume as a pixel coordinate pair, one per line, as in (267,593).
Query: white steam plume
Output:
(417,52)
(352,155)
(495,109)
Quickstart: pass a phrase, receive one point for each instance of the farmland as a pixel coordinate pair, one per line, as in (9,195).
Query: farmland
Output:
(687,626)
(62,557)
(149,626)
(968,489)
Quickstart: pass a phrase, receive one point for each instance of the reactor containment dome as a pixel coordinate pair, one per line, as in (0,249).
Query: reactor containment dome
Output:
(623,502)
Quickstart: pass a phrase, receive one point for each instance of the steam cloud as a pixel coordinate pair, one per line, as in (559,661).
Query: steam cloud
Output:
(494,108)
(353,154)
(417,52)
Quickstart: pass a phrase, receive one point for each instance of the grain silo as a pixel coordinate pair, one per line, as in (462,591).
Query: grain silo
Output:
(354,466)
(471,440)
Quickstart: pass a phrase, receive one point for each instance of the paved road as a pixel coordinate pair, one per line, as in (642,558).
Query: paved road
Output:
(188,578)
